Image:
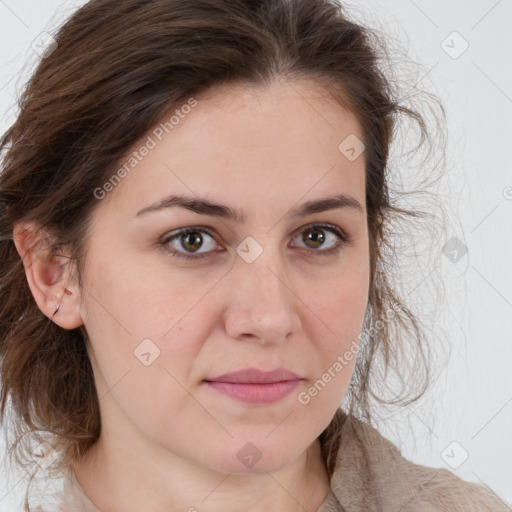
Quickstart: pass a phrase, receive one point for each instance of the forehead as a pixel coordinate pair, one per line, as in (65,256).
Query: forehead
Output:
(302,106)
(281,140)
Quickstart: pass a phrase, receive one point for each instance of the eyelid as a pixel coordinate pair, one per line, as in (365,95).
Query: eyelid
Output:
(326,225)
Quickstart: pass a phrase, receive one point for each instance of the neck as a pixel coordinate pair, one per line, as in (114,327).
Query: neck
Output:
(116,479)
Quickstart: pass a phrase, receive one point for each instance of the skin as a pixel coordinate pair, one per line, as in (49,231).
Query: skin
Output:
(165,432)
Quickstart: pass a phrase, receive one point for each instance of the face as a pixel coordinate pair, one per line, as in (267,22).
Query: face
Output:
(180,296)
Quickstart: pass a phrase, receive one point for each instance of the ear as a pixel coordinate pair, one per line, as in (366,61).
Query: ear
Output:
(48,275)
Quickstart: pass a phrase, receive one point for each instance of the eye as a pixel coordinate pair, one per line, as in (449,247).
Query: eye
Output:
(321,235)
(188,242)
(189,239)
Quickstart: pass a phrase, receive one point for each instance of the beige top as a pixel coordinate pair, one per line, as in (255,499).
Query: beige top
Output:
(64,496)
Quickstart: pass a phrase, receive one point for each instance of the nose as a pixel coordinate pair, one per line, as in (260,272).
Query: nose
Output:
(263,305)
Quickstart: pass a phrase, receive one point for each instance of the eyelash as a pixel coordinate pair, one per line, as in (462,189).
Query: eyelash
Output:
(343,238)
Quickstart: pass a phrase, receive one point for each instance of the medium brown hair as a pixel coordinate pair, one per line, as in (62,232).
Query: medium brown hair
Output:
(116,69)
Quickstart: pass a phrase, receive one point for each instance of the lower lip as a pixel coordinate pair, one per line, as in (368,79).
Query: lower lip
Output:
(256,393)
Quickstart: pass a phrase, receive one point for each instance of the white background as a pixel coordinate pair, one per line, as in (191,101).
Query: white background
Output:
(471,401)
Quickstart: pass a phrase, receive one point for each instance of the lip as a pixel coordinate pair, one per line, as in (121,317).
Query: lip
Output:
(255,386)
(255,376)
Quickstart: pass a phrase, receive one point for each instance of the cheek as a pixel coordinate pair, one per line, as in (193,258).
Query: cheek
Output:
(136,300)
(136,327)
(339,307)
(341,303)
(342,308)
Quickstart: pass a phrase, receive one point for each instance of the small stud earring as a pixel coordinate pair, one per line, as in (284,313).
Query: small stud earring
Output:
(56,309)
(58,305)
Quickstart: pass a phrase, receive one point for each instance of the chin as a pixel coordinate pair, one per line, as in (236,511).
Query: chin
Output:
(257,457)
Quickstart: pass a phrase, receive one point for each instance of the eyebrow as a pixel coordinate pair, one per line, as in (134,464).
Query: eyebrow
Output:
(204,207)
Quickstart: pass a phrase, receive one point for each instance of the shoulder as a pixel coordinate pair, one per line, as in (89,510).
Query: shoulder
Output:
(372,474)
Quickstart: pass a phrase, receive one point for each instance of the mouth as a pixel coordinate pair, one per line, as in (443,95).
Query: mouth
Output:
(255,386)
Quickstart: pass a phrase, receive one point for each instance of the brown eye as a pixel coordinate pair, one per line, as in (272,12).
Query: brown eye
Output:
(313,237)
(323,239)
(191,241)
(187,243)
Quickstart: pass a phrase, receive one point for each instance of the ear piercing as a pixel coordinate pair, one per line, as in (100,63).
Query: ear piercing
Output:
(58,305)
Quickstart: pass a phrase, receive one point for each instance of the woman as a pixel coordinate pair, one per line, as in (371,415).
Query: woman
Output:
(194,210)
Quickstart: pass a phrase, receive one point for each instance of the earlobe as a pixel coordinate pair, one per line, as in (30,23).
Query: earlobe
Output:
(48,277)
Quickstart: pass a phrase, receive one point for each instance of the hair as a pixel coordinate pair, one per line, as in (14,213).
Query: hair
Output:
(115,70)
